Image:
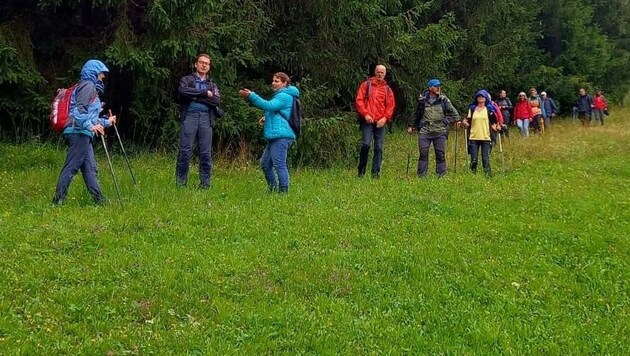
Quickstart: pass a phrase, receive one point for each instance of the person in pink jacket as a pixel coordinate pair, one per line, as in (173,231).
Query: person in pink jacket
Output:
(523,114)
(600,107)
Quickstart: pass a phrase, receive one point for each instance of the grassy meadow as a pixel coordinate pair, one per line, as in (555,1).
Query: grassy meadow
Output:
(535,260)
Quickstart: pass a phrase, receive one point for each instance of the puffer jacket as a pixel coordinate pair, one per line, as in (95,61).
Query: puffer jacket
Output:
(434,117)
(276,110)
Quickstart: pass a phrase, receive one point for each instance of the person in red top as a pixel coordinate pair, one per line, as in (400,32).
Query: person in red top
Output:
(600,107)
(499,117)
(523,114)
(375,106)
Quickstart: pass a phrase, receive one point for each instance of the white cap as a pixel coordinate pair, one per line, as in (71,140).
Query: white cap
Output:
(543,93)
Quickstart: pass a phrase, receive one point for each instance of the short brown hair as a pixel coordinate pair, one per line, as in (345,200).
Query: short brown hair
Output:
(205,56)
(283,77)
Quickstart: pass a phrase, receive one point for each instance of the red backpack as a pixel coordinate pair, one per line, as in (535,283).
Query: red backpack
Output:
(60,108)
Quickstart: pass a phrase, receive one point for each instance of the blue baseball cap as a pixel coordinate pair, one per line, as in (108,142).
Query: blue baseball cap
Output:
(434,83)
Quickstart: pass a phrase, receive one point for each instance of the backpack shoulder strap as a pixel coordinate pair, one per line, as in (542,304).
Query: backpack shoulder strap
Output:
(444,103)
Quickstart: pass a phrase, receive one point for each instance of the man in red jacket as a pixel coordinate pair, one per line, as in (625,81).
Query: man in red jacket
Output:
(375,105)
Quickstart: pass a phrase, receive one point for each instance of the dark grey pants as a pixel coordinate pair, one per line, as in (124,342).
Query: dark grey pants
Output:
(195,126)
(439,146)
(80,156)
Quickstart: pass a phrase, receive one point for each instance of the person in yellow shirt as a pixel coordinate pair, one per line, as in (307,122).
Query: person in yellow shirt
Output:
(481,118)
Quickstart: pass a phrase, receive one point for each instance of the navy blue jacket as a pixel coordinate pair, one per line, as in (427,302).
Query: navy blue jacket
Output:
(584,103)
(188,93)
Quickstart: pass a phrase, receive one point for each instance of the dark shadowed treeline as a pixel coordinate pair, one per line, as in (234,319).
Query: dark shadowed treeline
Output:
(328,48)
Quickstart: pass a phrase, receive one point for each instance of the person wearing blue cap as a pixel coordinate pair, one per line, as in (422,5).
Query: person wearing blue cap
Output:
(482,120)
(434,113)
(82,125)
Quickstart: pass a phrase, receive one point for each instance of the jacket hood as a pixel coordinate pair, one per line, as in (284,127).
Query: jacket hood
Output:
(486,95)
(291,90)
(91,69)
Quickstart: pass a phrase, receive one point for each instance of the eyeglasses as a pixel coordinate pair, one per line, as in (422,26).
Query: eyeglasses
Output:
(204,63)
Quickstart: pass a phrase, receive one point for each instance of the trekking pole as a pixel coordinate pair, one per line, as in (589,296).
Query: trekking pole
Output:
(501,150)
(456,144)
(111,168)
(467,147)
(133,177)
(409,158)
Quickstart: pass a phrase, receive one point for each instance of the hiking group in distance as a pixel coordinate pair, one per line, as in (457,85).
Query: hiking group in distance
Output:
(484,123)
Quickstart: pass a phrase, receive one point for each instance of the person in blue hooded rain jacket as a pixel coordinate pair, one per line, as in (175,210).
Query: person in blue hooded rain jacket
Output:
(276,130)
(82,125)
(482,120)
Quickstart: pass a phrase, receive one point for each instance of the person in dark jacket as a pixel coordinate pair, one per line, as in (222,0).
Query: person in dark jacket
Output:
(482,120)
(83,124)
(434,113)
(199,106)
(505,104)
(276,130)
(584,105)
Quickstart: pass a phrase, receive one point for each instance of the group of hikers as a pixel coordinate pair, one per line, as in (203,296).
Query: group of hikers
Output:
(485,119)
(199,104)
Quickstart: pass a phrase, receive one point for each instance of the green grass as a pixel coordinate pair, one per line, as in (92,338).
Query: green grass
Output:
(528,262)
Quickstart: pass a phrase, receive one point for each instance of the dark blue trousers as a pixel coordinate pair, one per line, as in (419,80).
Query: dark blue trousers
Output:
(195,126)
(485,155)
(80,156)
(370,132)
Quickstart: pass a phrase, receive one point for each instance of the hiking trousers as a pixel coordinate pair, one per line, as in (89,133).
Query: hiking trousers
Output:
(79,156)
(369,133)
(439,146)
(195,126)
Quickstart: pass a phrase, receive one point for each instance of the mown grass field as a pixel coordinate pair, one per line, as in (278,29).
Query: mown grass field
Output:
(533,261)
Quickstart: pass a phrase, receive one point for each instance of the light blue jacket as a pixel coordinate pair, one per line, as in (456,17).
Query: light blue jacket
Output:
(277,111)
(85,105)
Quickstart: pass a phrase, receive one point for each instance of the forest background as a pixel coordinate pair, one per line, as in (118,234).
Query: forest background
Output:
(327,47)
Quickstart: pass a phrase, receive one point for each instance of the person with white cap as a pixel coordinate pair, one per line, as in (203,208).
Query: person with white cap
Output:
(550,108)
(523,114)
(434,113)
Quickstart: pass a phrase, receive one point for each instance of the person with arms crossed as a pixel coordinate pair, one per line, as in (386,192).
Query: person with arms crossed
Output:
(199,106)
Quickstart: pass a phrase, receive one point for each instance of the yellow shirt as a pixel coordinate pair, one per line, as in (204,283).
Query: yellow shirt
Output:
(479,125)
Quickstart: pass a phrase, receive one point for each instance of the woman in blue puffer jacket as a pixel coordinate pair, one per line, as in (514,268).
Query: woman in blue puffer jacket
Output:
(276,130)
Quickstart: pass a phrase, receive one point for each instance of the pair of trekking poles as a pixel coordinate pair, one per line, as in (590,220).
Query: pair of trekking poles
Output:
(111,166)
(468,155)
(456,149)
